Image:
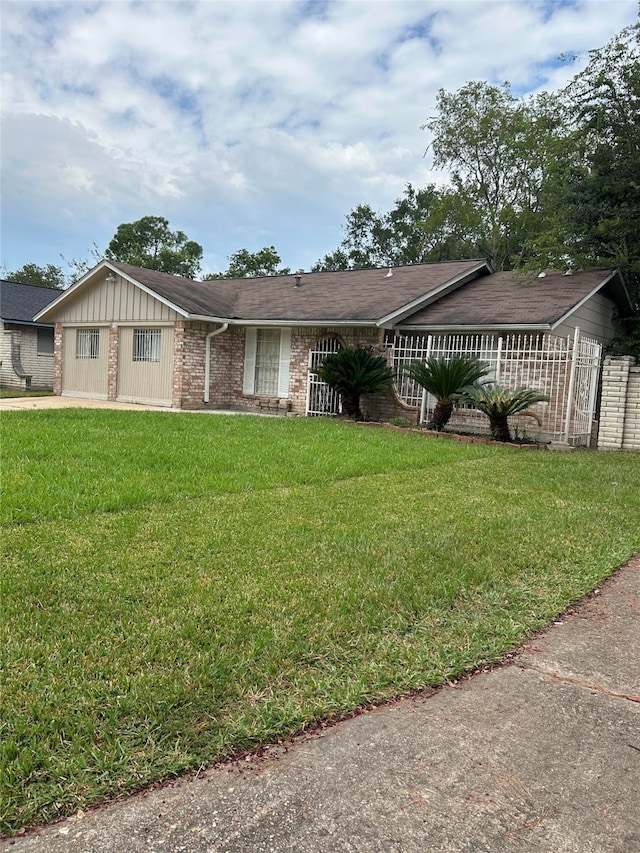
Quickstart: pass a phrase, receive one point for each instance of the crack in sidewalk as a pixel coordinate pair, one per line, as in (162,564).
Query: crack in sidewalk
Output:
(587,685)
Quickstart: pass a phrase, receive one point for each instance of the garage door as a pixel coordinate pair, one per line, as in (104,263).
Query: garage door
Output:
(145,365)
(84,362)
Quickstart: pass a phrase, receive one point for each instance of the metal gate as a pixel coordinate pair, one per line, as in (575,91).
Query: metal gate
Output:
(321,399)
(583,386)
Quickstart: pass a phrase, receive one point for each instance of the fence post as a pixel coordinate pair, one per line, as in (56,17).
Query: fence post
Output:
(572,383)
(423,405)
(498,360)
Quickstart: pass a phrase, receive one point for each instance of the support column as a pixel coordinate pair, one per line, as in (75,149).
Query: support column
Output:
(615,379)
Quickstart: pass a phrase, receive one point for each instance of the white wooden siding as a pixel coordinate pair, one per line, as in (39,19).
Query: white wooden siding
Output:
(145,381)
(85,377)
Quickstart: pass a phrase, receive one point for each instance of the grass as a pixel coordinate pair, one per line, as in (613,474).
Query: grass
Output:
(178,588)
(12,392)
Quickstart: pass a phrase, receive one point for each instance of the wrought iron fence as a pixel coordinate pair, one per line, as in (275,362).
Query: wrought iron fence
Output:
(565,369)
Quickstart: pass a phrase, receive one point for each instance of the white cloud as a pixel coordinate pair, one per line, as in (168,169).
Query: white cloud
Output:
(247,123)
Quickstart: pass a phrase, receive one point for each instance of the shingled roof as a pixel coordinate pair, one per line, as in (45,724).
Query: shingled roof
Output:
(343,296)
(509,299)
(19,303)
(453,294)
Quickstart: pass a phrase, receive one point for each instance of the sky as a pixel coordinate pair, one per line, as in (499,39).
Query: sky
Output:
(248,124)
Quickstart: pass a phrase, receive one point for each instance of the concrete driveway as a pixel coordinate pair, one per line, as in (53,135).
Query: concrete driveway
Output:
(21,404)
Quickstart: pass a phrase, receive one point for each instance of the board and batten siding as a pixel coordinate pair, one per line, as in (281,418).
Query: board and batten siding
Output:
(118,301)
(85,377)
(145,381)
(594,319)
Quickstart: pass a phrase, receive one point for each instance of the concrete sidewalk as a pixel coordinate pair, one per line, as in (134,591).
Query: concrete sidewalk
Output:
(540,754)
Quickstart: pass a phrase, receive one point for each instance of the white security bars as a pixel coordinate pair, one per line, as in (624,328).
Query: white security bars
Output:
(565,369)
(321,399)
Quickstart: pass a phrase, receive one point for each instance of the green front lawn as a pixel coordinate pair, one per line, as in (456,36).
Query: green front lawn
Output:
(180,587)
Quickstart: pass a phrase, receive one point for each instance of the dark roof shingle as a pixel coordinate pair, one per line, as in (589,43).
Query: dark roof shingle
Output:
(19,303)
(509,299)
(361,295)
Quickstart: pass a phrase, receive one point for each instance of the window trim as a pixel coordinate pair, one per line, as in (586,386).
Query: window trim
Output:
(90,346)
(250,354)
(147,345)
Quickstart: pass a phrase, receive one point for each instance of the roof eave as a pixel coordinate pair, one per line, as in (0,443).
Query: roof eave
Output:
(26,323)
(476,327)
(281,321)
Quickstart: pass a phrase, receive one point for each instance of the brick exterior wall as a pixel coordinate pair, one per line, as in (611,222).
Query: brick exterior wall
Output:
(112,362)
(57,359)
(620,405)
(39,366)
(182,357)
(227,369)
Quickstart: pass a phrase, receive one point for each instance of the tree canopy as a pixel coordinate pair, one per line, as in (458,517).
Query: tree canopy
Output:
(42,276)
(427,224)
(246,264)
(150,243)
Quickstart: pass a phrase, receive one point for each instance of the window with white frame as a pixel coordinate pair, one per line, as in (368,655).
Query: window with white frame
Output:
(87,343)
(266,363)
(146,344)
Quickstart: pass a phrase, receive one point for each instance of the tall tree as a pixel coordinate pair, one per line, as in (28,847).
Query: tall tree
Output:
(500,152)
(42,276)
(602,201)
(149,243)
(246,264)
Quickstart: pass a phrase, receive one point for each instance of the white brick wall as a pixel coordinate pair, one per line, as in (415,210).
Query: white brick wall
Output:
(39,367)
(620,405)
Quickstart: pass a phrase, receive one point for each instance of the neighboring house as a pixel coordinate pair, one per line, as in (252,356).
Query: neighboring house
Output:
(26,347)
(135,335)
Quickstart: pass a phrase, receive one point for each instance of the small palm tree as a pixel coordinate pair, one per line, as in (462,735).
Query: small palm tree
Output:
(444,378)
(352,372)
(498,403)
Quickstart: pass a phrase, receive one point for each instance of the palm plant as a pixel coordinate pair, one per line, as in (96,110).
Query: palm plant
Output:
(353,372)
(498,403)
(444,378)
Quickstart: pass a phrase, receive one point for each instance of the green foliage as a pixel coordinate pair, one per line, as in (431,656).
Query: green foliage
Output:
(149,243)
(424,225)
(353,372)
(444,378)
(42,276)
(501,152)
(498,403)
(601,200)
(246,264)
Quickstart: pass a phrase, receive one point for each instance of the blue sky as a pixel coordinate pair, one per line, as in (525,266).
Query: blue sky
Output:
(247,124)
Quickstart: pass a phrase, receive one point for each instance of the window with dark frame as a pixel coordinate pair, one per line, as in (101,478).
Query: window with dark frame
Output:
(45,341)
